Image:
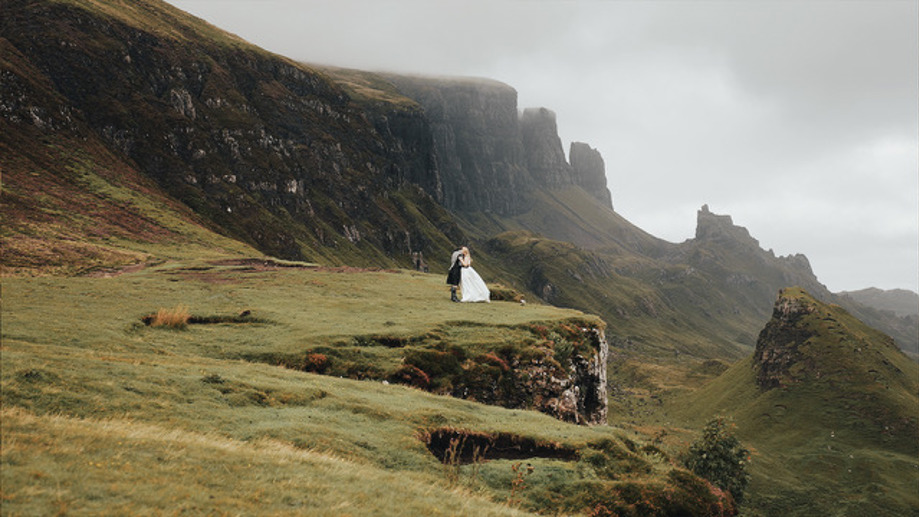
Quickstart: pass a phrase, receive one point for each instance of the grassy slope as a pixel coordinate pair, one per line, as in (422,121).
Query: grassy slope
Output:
(58,465)
(843,435)
(116,399)
(123,64)
(70,204)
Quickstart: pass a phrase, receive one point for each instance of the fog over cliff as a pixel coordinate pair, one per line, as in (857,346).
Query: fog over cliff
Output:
(800,119)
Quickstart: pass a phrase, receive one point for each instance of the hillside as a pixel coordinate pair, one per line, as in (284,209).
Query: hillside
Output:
(265,151)
(103,413)
(829,404)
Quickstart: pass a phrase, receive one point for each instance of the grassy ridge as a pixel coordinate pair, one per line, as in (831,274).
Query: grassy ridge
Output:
(117,397)
(842,431)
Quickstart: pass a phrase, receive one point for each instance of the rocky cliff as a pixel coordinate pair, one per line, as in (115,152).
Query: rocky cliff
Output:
(778,348)
(477,146)
(545,158)
(589,171)
(489,156)
(750,274)
(566,380)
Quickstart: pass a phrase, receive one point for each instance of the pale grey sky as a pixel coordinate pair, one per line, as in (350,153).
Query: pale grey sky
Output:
(800,118)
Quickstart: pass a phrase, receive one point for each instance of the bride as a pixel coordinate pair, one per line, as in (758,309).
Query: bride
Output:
(471,284)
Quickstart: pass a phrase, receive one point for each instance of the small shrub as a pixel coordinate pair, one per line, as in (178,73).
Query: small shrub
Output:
(719,457)
(316,363)
(411,375)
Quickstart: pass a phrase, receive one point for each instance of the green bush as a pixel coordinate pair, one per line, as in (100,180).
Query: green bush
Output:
(719,457)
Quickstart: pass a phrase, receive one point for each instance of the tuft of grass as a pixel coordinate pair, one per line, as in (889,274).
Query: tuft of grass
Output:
(175,318)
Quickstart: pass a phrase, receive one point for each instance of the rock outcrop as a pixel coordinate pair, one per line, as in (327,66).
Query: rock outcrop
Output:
(777,348)
(715,227)
(589,171)
(545,158)
(566,380)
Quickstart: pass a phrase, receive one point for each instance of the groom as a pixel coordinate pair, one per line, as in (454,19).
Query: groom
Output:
(454,275)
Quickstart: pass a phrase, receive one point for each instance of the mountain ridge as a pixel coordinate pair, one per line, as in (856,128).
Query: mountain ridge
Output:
(901,302)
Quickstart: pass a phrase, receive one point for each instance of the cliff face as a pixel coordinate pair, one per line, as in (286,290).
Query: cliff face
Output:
(477,146)
(571,388)
(489,157)
(750,275)
(589,171)
(721,228)
(545,158)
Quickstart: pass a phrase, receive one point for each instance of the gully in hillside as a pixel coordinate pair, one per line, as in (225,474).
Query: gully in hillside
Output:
(463,275)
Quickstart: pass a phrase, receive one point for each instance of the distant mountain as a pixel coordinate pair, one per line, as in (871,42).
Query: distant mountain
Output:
(830,404)
(899,301)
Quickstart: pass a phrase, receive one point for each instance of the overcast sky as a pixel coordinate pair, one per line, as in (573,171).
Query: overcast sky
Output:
(800,119)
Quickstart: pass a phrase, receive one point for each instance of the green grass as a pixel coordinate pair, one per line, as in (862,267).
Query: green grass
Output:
(58,465)
(103,413)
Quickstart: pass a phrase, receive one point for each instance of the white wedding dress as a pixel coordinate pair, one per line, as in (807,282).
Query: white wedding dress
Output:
(473,287)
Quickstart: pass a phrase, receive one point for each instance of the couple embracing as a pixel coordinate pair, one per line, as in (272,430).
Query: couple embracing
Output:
(470,283)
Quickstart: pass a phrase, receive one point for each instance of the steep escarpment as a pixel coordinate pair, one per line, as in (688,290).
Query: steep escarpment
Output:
(477,145)
(735,260)
(545,158)
(750,275)
(490,156)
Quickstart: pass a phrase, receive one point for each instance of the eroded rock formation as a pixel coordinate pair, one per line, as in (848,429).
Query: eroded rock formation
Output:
(589,171)
(777,348)
(545,158)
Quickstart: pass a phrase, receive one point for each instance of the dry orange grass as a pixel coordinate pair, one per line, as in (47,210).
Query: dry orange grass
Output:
(176,317)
